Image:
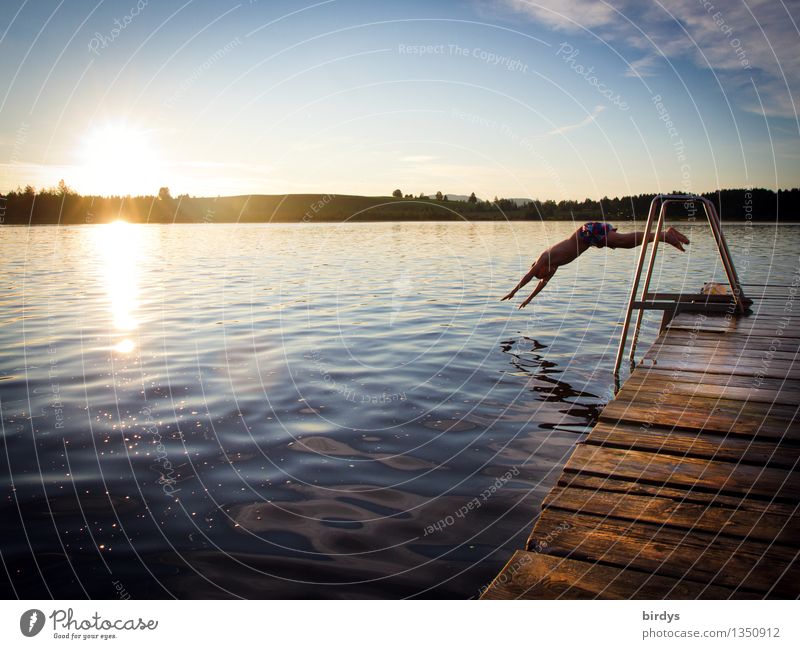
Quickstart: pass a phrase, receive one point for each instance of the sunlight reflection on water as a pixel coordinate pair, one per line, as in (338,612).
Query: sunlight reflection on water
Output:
(118,247)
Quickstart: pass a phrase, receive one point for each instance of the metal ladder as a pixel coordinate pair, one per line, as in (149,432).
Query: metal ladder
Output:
(673,303)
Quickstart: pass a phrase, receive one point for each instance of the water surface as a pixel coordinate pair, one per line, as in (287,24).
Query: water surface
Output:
(301,410)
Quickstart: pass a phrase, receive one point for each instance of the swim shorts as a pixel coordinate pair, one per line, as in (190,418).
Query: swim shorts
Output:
(594,233)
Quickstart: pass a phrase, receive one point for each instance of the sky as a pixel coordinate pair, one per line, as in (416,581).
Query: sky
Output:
(554,99)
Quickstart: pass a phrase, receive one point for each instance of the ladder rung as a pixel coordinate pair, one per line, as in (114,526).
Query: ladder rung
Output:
(689,297)
(682,306)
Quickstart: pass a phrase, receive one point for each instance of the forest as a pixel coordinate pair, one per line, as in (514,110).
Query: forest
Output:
(61,205)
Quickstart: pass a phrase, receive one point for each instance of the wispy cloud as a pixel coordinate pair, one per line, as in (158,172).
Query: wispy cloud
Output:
(589,119)
(756,39)
(569,15)
(643,67)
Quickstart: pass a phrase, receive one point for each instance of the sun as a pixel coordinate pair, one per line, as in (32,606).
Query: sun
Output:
(119,159)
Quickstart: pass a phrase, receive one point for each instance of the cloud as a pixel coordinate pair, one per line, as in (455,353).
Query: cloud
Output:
(643,67)
(589,119)
(755,39)
(569,15)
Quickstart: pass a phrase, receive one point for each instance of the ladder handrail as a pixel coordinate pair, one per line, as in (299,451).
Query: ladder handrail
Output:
(634,285)
(651,264)
(722,246)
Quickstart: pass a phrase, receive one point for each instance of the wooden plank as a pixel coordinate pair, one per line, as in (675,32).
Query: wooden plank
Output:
(764,335)
(787,321)
(747,370)
(655,373)
(753,317)
(738,326)
(753,348)
(761,395)
(673,326)
(676,416)
(783,320)
(729,340)
(737,349)
(785,366)
(737,357)
(712,446)
(723,477)
(754,290)
(770,307)
(776,329)
(710,353)
(530,575)
(716,355)
(653,398)
(766,327)
(682,493)
(741,356)
(768,525)
(697,556)
(689,416)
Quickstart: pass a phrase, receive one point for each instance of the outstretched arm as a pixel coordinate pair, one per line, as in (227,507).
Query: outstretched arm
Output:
(542,283)
(545,266)
(525,279)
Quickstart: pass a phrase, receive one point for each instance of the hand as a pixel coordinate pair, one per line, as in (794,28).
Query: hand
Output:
(509,296)
(675,238)
(542,283)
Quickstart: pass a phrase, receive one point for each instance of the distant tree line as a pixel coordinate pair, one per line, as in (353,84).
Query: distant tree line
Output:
(61,205)
(731,204)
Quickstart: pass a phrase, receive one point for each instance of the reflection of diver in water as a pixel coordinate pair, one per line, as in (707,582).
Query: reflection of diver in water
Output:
(541,370)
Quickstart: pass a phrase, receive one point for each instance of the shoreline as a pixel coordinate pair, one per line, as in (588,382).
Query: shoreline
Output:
(749,222)
(63,206)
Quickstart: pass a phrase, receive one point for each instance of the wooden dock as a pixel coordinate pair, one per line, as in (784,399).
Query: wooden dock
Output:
(688,485)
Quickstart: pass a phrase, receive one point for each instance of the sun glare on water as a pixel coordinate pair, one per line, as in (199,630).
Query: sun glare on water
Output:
(117,158)
(118,250)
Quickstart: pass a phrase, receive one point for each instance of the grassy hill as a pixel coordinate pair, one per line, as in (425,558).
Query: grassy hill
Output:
(286,208)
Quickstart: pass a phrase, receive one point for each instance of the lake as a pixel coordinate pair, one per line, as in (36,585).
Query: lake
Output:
(310,410)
